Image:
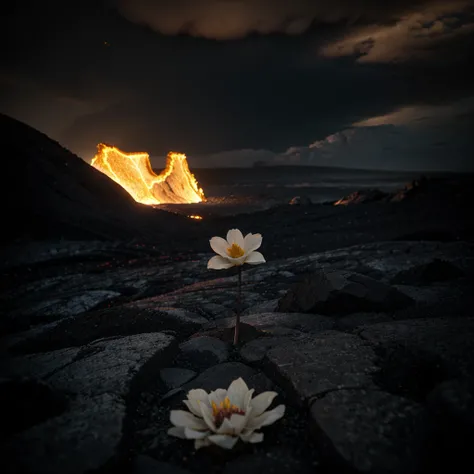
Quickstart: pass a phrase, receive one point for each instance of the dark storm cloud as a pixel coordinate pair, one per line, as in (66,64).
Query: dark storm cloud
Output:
(429,33)
(230,19)
(83,72)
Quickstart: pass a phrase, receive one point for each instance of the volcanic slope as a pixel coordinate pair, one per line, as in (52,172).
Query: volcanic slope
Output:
(48,193)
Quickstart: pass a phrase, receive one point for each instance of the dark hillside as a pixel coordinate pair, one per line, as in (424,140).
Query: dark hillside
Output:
(49,192)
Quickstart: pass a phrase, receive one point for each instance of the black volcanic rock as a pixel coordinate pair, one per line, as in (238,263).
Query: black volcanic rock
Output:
(48,192)
(436,270)
(411,189)
(339,293)
(359,197)
(300,201)
(389,430)
(376,392)
(30,401)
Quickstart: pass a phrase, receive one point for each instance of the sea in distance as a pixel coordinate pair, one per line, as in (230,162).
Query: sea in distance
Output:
(236,190)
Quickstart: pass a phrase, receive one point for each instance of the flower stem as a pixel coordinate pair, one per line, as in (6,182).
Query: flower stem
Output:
(239,306)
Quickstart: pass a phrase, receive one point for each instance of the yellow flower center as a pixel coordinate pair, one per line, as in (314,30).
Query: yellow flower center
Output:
(235,251)
(224,410)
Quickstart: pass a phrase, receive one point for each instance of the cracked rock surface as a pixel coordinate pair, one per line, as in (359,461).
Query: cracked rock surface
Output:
(369,351)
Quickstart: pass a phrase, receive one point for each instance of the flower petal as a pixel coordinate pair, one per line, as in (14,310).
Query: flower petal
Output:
(237,261)
(217,396)
(177,431)
(266,418)
(261,402)
(197,394)
(186,420)
(194,397)
(193,434)
(201,443)
(238,423)
(224,441)
(237,391)
(219,245)
(252,242)
(234,236)
(207,417)
(193,407)
(226,428)
(247,400)
(255,258)
(252,437)
(219,263)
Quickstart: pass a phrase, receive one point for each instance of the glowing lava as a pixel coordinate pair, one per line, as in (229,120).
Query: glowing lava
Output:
(174,185)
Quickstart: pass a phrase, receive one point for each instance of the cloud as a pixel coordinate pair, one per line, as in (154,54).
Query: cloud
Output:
(387,147)
(158,92)
(231,19)
(431,138)
(417,34)
(422,138)
(422,115)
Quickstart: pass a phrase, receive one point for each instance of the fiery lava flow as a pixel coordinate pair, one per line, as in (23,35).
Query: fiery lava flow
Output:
(174,185)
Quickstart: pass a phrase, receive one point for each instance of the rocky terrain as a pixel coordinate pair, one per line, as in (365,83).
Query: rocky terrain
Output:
(369,346)
(361,320)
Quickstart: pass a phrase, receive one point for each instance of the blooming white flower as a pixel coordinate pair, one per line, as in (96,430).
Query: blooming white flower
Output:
(223,417)
(236,250)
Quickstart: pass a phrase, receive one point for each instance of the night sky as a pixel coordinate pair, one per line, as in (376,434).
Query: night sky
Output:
(368,84)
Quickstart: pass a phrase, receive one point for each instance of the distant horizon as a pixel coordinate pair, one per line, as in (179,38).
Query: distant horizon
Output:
(337,168)
(276,160)
(191,159)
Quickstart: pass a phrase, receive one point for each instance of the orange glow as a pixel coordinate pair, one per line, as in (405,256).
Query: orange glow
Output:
(195,217)
(174,185)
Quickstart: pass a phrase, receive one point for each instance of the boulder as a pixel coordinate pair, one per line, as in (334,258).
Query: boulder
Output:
(341,293)
(128,319)
(174,377)
(60,307)
(369,431)
(327,361)
(202,352)
(254,351)
(97,378)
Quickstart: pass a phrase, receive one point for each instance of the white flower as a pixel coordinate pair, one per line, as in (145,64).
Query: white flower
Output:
(223,416)
(236,250)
